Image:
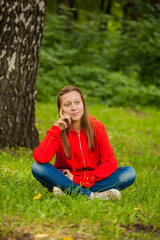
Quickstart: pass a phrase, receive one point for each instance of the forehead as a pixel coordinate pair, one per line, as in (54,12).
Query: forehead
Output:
(71,96)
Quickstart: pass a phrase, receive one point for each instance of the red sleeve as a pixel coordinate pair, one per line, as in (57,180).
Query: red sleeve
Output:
(108,161)
(48,147)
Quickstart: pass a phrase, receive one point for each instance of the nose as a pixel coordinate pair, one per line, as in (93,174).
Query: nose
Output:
(73,106)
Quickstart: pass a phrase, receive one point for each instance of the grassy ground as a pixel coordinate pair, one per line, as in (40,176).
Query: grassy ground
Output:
(135,137)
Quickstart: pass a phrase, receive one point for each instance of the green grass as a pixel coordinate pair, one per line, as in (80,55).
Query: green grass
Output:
(135,137)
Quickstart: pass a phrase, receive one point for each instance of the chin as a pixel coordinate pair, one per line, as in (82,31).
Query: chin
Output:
(76,118)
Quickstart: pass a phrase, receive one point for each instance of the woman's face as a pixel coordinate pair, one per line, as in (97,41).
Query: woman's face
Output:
(71,104)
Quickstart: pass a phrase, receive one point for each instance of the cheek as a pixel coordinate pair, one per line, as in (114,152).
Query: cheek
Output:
(67,110)
(82,109)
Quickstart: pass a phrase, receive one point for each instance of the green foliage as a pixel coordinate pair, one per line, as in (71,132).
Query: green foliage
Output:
(109,67)
(135,140)
(137,51)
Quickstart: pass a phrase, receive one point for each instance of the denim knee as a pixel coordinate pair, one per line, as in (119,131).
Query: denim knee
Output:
(36,168)
(132,174)
(127,176)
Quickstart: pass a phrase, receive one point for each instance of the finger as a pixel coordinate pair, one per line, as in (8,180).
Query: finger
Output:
(61,112)
(66,117)
(63,124)
(66,171)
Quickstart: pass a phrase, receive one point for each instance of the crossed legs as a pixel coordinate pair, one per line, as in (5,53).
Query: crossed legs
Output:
(49,176)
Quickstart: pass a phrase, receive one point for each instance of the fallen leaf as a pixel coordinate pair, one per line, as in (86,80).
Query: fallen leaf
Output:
(138,208)
(67,238)
(43,235)
(86,220)
(38,196)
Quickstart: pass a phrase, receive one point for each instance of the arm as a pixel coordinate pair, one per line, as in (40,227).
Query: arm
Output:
(48,147)
(108,162)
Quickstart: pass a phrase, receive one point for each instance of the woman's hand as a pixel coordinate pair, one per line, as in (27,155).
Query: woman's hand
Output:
(62,122)
(68,174)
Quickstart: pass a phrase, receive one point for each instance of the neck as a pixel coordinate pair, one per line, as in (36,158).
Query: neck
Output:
(76,126)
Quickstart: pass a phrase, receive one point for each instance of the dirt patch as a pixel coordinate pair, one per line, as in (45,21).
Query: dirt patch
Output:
(57,235)
(16,236)
(74,231)
(11,230)
(138,227)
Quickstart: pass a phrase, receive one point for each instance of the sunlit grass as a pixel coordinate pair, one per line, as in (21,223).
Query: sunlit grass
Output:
(135,138)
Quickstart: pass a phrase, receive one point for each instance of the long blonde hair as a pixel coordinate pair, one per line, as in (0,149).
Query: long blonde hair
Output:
(85,123)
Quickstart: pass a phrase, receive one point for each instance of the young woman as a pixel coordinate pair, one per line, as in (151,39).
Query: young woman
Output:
(85,162)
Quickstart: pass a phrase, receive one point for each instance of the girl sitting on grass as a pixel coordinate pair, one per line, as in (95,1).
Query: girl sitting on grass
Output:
(85,162)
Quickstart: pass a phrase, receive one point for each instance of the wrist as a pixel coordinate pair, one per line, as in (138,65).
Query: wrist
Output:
(57,125)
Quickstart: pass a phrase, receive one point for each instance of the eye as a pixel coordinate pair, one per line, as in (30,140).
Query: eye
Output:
(77,102)
(67,105)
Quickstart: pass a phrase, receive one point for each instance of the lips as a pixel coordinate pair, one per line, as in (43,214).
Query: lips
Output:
(74,114)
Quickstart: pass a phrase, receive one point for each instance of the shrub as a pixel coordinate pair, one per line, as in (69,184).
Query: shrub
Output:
(82,55)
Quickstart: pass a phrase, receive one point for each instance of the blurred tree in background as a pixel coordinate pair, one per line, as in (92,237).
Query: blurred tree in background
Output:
(21,28)
(109,48)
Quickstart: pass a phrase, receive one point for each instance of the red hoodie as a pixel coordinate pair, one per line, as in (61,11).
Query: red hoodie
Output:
(86,166)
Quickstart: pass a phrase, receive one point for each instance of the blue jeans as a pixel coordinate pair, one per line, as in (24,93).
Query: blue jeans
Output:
(50,176)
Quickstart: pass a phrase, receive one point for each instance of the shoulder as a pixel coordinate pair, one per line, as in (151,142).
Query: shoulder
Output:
(99,130)
(96,124)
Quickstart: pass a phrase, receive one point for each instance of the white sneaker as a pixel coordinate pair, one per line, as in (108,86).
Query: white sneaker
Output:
(111,194)
(57,191)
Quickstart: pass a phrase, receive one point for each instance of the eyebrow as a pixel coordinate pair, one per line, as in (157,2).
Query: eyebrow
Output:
(77,99)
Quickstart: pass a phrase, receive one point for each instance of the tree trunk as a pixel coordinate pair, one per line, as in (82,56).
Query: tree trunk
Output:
(130,12)
(102,5)
(61,10)
(20,40)
(70,11)
(108,8)
(73,9)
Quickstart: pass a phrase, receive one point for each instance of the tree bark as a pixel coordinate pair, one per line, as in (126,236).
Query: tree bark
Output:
(108,8)
(70,11)
(107,11)
(21,31)
(130,12)
(73,9)
(102,5)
